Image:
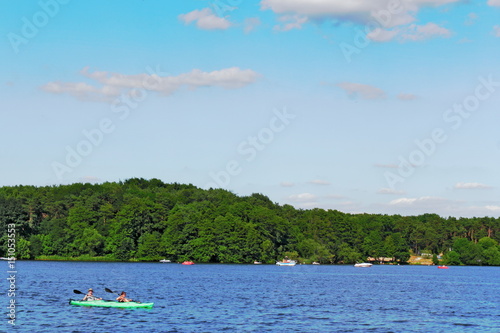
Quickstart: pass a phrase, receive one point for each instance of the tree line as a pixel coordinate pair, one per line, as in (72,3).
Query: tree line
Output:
(139,219)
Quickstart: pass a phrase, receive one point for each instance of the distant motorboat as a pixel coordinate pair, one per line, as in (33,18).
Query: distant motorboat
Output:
(443,267)
(363,264)
(257,263)
(165,261)
(286,262)
(315,263)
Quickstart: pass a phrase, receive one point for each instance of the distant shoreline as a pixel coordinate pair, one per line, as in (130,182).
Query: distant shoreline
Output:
(413,261)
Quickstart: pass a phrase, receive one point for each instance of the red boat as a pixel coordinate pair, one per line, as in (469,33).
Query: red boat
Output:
(188,263)
(443,267)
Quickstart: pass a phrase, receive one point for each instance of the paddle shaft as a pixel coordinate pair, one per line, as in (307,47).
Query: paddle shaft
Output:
(111,291)
(79,292)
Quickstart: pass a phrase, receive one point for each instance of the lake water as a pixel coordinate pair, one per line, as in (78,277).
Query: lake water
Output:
(255,298)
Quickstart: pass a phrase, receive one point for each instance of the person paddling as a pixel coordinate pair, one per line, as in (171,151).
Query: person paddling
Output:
(123,297)
(90,296)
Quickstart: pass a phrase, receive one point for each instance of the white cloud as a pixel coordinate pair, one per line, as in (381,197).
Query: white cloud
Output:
(205,19)
(90,179)
(319,182)
(362,90)
(494,3)
(422,201)
(493,209)
(421,32)
(470,186)
(322,8)
(441,206)
(233,77)
(413,32)
(114,84)
(384,20)
(302,197)
(388,13)
(81,90)
(287,184)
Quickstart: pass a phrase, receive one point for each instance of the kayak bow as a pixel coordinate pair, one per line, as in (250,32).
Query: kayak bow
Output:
(111,304)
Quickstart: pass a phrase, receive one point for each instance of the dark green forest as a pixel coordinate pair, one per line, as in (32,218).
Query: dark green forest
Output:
(148,220)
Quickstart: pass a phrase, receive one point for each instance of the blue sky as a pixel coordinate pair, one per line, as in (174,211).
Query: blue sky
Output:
(362,106)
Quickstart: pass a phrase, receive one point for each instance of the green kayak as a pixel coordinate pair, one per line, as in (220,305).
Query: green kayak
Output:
(111,304)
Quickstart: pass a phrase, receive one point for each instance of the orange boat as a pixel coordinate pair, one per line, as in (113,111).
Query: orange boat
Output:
(443,267)
(188,263)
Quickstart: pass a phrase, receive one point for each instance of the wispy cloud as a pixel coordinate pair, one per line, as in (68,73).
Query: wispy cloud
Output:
(251,24)
(471,19)
(349,206)
(421,32)
(442,206)
(363,91)
(387,166)
(335,196)
(471,186)
(82,90)
(406,97)
(426,200)
(496,31)
(90,179)
(360,12)
(390,191)
(412,32)
(382,35)
(291,22)
(494,3)
(319,182)
(287,184)
(205,19)
(464,40)
(107,85)
(302,197)
(492,208)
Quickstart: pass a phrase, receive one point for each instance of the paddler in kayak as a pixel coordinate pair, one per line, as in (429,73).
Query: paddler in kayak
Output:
(90,296)
(123,297)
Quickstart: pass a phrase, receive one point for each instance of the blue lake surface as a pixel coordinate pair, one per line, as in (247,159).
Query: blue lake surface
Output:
(255,298)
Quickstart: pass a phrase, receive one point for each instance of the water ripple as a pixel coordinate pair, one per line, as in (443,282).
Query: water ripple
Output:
(247,298)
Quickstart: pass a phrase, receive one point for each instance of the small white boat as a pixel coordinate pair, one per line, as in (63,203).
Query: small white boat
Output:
(257,263)
(286,262)
(165,261)
(363,264)
(315,263)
